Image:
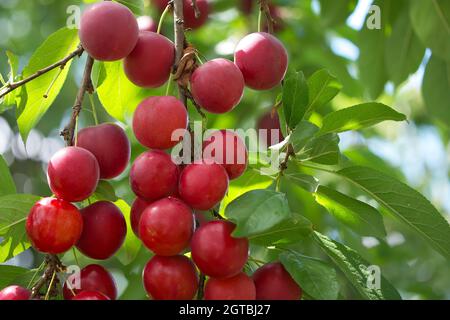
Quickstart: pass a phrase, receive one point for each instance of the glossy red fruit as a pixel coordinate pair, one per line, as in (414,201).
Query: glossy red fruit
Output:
(239,287)
(190,21)
(216,253)
(156,119)
(262,59)
(15,293)
(271,123)
(73,174)
(154,175)
(146,23)
(166,226)
(170,278)
(104,230)
(273,282)
(108,31)
(93,277)
(150,62)
(90,295)
(227,148)
(218,85)
(110,146)
(54,225)
(203,185)
(136,211)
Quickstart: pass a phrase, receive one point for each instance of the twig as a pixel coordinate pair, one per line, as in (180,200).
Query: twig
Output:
(178,24)
(86,86)
(264,8)
(61,64)
(52,265)
(197,12)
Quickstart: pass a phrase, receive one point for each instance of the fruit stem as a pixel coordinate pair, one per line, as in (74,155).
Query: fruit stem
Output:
(201,286)
(169,84)
(94,111)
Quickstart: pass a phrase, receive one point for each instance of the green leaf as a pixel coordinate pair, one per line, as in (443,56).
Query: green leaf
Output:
(132,244)
(405,203)
(136,6)
(323,87)
(305,181)
(295,98)
(288,231)
(55,47)
(404,51)
(431,22)
(257,211)
(7,185)
(302,134)
(8,275)
(317,278)
(357,270)
(435,89)
(118,95)
(10,98)
(323,149)
(358,117)
(371,64)
(333,13)
(14,210)
(105,191)
(357,215)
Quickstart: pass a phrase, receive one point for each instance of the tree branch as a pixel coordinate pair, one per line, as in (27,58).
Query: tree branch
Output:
(264,8)
(52,265)
(178,25)
(61,64)
(86,86)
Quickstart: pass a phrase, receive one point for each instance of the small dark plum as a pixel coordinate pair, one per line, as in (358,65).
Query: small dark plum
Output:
(262,59)
(154,175)
(273,282)
(15,293)
(108,31)
(73,174)
(226,148)
(203,185)
(271,123)
(136,211)
(156,119)
(216,253)
(150,62)
(217,86)
(104,230)
(239,287)
(146,23)
(93,277)
(90,295)
(166,226)
(110,146)
(170,278)
(54,225)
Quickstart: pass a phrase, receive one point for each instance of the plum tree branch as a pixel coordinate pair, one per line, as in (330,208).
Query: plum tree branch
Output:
(265,9)
(59,64)
(86,86)
(180,40)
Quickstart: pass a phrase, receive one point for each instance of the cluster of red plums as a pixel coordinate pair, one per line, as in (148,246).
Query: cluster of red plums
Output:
(169,196)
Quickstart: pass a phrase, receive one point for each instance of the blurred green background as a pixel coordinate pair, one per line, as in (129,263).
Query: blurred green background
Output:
(396,65)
